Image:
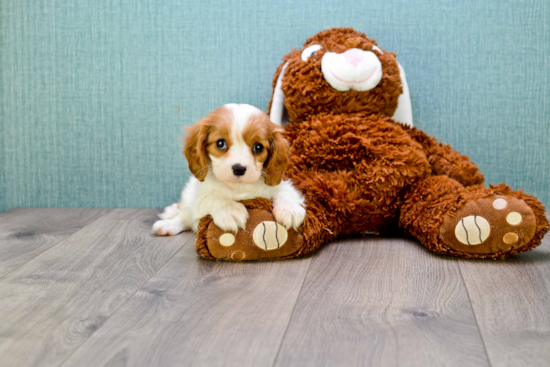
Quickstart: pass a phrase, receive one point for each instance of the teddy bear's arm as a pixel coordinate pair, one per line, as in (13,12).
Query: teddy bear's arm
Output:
(444,160)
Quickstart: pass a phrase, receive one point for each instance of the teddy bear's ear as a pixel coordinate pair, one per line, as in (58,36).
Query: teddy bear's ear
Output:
(403,112)
(277,111)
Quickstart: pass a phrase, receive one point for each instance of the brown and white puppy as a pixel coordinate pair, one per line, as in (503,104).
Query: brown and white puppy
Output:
(235,153)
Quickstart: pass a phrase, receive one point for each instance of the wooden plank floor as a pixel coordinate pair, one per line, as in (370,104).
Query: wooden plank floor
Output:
(93,287)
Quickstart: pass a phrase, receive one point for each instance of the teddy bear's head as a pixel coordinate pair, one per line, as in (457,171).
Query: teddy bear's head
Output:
(338,70)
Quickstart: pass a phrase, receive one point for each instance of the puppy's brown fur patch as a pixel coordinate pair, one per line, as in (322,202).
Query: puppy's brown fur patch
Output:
(259,130)
(220,128)
(202,138)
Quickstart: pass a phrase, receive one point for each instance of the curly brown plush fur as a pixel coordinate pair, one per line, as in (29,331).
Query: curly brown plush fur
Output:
(360,171)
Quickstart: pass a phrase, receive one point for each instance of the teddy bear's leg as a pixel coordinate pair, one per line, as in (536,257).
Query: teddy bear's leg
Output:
(262,239)
(327,208)
(474,221)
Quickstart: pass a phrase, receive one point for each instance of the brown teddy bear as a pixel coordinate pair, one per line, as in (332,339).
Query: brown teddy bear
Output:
(362,172)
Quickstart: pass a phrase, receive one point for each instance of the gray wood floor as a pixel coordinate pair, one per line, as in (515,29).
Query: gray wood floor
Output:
(93,287)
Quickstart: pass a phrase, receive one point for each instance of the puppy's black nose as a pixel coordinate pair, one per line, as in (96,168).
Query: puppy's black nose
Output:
(238,170)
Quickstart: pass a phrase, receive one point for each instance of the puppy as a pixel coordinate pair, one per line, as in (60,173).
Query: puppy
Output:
(235,153)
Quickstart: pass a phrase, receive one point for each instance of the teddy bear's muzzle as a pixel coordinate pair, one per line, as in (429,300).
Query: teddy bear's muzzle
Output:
(354,69)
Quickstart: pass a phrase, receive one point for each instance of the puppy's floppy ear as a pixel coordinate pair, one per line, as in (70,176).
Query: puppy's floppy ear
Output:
(277,161)
(195,149)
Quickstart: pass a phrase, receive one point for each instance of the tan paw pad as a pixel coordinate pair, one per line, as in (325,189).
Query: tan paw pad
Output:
(227,239)
(238,256)
(269,235)
(472,230)
(500,204)
(510,238)
(514,218)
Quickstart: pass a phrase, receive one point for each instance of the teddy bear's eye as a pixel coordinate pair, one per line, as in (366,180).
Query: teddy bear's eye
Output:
(311,50)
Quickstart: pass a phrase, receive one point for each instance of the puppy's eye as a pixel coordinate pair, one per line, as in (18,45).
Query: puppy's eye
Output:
(311,50)
(221,144)
(258,148)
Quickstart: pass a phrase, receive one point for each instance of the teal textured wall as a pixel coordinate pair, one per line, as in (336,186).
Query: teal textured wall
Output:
(95,93)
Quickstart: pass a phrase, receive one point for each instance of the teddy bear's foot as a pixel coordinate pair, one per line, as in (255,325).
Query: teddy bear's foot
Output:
(263,238)
(495,224)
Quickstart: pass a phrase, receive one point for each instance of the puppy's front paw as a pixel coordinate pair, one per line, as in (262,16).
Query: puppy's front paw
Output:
(288,214)
(170,212)
(231,218)
(168,227)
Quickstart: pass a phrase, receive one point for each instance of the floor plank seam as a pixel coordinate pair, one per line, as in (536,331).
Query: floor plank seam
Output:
(129,298)
(55,245)
(291,314)
(474,313)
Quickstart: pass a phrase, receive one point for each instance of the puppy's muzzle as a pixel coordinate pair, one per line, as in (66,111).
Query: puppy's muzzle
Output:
(238,170)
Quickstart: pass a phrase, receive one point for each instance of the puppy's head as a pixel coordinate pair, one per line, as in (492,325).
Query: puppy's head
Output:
(239,144)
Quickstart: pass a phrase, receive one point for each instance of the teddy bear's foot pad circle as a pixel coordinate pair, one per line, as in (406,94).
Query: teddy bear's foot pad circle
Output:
(269,235)
(262,239)
(489,225)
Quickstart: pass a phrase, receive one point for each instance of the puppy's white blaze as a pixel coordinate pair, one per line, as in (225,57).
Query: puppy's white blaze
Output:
(241,114)
(241,153)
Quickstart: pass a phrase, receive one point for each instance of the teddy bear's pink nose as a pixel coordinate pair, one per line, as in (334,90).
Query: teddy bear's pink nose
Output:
(354,56)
